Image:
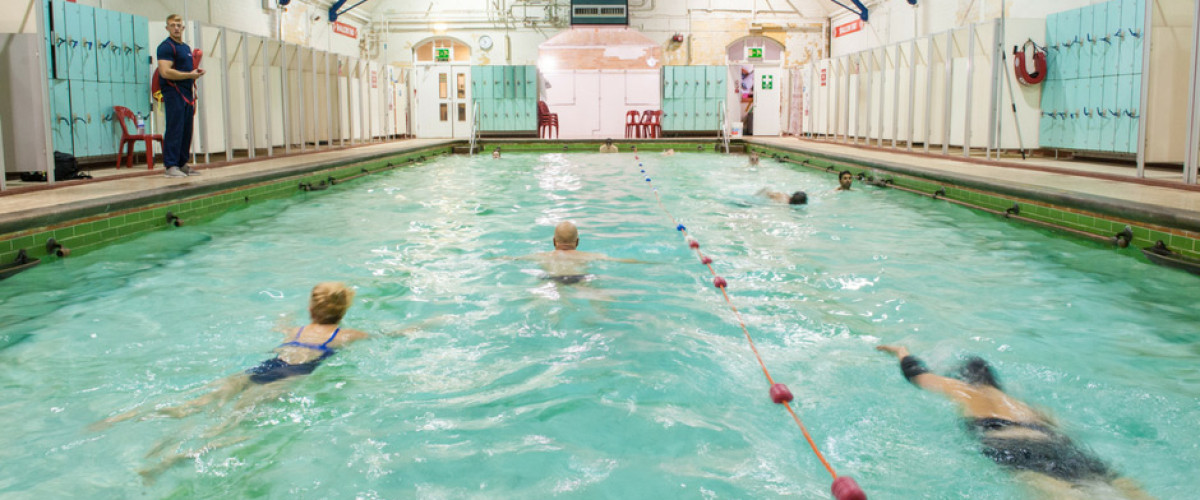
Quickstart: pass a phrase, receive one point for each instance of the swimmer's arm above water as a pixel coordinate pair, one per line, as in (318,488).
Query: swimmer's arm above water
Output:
(915,371)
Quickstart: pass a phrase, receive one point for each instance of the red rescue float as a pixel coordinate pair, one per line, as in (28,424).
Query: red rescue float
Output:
(1039,64)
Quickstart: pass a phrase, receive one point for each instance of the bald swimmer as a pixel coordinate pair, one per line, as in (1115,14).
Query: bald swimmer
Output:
(565,264)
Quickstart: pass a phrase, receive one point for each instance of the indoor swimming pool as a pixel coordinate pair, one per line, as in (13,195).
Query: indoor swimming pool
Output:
(635,383)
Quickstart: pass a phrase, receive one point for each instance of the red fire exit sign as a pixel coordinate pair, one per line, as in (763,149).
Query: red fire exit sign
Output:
(848,28)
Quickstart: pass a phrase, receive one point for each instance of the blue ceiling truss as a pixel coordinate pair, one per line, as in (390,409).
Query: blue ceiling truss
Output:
(858,8)
(333,9)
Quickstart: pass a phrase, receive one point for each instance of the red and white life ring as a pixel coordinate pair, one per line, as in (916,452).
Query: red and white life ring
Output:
(1039,64)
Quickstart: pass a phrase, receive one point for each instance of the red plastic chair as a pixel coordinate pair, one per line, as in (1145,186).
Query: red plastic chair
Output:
(546,121)
(651,124)
(121,113)
(633,124)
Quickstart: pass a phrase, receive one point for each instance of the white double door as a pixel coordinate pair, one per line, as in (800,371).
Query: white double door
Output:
(443,98)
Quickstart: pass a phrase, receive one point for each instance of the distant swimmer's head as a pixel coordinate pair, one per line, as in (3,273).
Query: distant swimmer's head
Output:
(496,152)
(608,142)
(798,198)
(566,236)
(329,302)
(845,179)
(976,371)
(754,158)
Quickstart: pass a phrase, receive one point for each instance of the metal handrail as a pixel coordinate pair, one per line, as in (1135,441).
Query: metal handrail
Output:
(474,127)
(724,129)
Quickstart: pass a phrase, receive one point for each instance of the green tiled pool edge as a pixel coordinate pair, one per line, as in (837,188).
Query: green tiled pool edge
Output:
(1183,241)
(102,228)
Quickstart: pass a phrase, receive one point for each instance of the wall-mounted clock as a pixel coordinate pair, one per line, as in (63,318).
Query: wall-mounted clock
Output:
(485,42)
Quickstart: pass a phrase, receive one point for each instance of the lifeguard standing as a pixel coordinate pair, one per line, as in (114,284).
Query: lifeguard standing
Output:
(178,74)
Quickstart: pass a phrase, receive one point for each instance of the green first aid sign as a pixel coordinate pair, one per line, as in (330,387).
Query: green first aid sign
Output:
(768,82)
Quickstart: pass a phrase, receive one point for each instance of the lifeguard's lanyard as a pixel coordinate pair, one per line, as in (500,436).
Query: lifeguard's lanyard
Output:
(190,102)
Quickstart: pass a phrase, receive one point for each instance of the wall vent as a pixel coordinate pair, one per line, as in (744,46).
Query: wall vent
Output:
(609,12)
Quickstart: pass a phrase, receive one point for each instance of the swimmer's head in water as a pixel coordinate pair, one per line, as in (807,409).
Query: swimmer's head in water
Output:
(329,302)
(566,236)
(608,142)
(976,371)
(845,179)
(798,198)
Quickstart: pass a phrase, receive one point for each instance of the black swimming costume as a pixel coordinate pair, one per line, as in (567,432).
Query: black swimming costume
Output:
(569,279)
(277,369)
(1055,456)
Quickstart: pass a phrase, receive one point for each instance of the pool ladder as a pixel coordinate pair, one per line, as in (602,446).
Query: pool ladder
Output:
(724,132)
(474,128)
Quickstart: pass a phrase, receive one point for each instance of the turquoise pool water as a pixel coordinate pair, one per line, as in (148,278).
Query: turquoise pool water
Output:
(636,384)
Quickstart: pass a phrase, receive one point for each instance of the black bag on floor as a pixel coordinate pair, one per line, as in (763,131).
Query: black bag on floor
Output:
(66,167)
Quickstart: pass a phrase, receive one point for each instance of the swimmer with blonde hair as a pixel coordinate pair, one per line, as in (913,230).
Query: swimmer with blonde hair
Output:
(753,158)
(303,349)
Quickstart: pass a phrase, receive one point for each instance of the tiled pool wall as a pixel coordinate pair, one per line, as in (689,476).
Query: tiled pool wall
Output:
(699,145)
(102,228)
(1101,225)
(94,231)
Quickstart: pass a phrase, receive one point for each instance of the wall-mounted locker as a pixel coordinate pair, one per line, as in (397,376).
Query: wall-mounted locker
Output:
(531,88)
(95,119)
(103,41)
(79,118)
(519,82)
(1053,56)
(141,50)
(1133,13)
(1109,113)
(497,82)
(116,40)
(88,25)
(58,53)
(127,48)
(510,88)
(1087,41)
(1102,41)
(1069,43)
(60,116)
(506,97)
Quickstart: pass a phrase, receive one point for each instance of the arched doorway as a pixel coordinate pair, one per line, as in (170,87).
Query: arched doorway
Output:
(442,93)
(756,63)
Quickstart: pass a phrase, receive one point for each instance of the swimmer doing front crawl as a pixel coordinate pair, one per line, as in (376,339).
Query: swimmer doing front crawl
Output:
(1018,437)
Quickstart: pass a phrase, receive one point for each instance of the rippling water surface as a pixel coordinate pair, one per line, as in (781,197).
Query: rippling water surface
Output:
(635,384)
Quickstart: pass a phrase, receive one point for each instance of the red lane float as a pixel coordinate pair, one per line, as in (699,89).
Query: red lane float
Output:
(844,487)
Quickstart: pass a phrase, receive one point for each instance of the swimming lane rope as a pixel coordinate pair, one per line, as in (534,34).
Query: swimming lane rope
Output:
(844,487)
